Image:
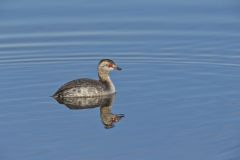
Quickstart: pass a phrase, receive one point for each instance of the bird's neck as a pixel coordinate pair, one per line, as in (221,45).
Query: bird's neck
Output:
(105,79)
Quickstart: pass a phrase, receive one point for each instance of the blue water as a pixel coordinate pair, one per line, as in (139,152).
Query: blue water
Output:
(179,88)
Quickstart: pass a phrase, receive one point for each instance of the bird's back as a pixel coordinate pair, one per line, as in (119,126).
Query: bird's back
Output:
(81,88)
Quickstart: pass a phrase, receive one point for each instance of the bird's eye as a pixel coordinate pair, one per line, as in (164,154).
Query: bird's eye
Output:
(110,65)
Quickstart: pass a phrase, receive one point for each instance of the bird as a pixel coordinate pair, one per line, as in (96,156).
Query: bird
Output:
(85,87)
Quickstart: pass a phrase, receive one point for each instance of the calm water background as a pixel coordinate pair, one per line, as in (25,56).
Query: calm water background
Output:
(179,88)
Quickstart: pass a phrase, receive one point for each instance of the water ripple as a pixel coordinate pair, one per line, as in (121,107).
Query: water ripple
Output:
(15,60)
(168,32)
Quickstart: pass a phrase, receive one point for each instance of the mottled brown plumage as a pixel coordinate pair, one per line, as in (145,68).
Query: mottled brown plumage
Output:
(83,83)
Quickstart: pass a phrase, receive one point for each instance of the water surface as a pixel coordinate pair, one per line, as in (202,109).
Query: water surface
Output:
(179,88)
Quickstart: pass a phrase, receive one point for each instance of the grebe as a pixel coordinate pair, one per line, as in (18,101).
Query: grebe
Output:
(85,87)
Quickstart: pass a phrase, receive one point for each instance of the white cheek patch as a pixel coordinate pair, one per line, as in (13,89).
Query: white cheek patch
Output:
(108,68)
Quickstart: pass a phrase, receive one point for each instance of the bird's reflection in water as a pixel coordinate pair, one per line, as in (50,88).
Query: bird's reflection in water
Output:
(104,102)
